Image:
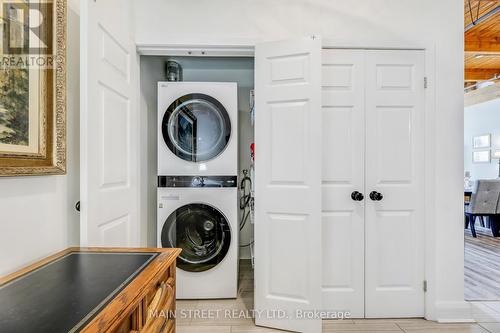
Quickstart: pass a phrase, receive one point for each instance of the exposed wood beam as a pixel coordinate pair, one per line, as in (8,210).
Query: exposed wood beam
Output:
(481,74)
(482,45)
(482,95)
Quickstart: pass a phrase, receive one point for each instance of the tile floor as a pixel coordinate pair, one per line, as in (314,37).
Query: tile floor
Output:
(211,317)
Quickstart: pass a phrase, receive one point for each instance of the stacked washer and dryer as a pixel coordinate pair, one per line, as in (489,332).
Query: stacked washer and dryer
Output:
(197,185)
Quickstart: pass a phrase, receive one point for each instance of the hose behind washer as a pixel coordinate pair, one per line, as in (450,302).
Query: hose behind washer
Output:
(245,201)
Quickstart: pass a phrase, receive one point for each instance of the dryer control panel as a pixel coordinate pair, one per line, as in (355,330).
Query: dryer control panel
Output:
(197,181)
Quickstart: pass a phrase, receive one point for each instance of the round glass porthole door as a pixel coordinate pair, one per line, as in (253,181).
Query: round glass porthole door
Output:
(196,127)
(203,234)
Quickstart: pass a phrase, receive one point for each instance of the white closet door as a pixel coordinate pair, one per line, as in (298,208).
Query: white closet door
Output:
(395,170)
(288,179)
(109,126)
(343,174)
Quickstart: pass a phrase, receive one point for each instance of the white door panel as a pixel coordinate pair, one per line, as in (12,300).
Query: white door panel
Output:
(373,115)
(395,169)
(343,173)
(288,194)
(109,163)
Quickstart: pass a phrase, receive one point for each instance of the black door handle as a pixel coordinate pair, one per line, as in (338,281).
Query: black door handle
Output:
(376,196)
(357,196)
(77,206)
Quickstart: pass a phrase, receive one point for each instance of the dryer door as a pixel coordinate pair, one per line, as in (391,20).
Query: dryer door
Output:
(202,232)
(196,127)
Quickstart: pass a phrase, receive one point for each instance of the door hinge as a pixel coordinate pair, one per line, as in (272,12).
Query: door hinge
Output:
(425,286)
(425,82)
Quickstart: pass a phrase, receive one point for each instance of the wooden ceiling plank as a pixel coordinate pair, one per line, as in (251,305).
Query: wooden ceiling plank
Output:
(483,10)
(486,62)
(476,74)
(486,22)
(481,38)
(482,46)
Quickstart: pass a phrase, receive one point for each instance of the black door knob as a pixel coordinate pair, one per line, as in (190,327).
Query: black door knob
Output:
(376,196)
(356,196)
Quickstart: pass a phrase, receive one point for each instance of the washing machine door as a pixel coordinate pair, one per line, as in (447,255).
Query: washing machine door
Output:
(203,234)
(196,127)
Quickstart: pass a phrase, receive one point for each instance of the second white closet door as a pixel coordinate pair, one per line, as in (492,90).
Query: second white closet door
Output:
(394,226)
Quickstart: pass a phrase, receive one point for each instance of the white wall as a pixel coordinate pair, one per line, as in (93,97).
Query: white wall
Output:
(37,213)
(483,118)
(438,24)
(195,69)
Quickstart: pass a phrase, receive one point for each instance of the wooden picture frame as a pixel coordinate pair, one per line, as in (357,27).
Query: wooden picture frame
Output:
(43,149)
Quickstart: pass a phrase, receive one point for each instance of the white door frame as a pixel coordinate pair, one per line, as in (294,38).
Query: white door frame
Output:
(231,49)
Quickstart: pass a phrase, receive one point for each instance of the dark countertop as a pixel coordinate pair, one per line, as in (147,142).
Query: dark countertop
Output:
(64,295)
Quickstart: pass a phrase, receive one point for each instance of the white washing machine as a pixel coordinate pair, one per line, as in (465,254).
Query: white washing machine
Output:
(199,215)
(197,128)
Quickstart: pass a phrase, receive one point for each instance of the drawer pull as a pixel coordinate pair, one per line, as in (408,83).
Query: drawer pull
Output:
(160,293)
(154,326)
(162,301)
(169,326)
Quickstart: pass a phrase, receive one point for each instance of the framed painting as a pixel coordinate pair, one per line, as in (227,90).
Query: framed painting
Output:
(33,87)
(481,141)
(481,156)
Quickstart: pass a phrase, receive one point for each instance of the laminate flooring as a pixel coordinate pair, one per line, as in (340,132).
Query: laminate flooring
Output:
(487,315)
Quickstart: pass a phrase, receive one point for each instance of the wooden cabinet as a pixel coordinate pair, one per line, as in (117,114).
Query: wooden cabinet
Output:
(144,302)
(156,311)
(151,309)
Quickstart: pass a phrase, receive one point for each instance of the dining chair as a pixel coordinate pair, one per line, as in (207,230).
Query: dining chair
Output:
(484,202)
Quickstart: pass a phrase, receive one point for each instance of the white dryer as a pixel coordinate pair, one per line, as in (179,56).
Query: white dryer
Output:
(197,128)
(199,215)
